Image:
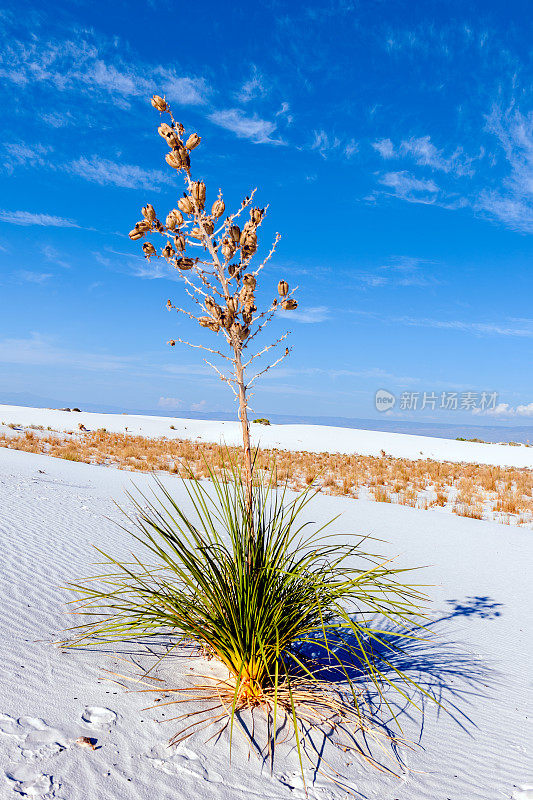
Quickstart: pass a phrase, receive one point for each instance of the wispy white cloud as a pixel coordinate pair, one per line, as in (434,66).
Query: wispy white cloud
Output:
(424,153)
(30,218)
(29,155)
(328,145)
(407,187)
(106,172)
(520,328)
(53,255)
(513,203)
(252,127)
(324,143)
(33,277)
(169,402)
(91,65)
(351,148)
(254,87)
(308,316)
(384,147)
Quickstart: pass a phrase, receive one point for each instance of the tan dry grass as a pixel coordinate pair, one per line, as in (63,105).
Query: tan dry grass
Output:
(468,489)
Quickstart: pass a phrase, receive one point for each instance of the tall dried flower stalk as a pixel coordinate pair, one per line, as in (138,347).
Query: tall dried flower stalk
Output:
(221,279)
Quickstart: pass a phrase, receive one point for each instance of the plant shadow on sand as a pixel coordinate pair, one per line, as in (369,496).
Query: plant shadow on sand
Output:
(445,676)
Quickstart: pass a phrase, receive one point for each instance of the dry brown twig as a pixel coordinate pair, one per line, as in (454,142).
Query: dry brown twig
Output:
(230,251)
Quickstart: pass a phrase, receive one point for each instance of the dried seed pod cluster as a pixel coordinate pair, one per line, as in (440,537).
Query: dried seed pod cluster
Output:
(222,281)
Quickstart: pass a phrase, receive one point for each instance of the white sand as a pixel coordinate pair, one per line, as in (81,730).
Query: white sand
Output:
(51,511)
(311,438)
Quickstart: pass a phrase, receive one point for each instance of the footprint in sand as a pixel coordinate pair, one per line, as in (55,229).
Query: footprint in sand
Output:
(524,793)
(35,738)
(28,783)
(182,761)
(98,716)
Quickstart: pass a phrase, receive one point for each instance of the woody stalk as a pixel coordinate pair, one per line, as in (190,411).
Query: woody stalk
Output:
(221,279)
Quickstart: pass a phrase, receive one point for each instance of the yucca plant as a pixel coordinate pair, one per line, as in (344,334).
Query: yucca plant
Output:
(294,621)
(290,614)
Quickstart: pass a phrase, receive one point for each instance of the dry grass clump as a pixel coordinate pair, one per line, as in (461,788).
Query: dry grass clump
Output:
(470,490)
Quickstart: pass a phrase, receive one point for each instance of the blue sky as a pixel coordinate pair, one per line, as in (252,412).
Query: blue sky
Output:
(392,140)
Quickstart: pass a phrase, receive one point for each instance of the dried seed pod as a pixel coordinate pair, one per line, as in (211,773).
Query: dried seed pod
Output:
(235,233)
(193,141)
(228,248)
(289,304)
(207,322)
(148,212)
(169,304)
(249,249)
(218,208)
(143,225)
(209,225)
(249,280)
(228,319)
(171,342)
(248,240)
(241,331)
(168,251)
(196,233)
(160,103)
(256,215)
(185,263)
(169,135)
(149,249)
(178,158)
(213,308)
(174,218)
(136,234)
(234,271)
(246,296)
(170,221)
(232,305)
(186,205)
(179,243)
(283,288)
(198,193)
(173,160)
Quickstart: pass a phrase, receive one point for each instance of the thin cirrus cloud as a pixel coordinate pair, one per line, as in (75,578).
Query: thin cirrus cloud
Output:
(30,218)
(327,144)
(512,204)
(26,276)
(520,327)
(424,153)
(106,172)
(92,68)
(309,316)
(506,197)
(408,187)
(90,65)
(252,127)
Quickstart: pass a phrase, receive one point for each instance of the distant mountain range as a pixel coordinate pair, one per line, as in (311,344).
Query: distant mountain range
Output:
(489,433)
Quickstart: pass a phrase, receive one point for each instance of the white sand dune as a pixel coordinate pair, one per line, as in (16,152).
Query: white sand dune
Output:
(310,438)
(479,662)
